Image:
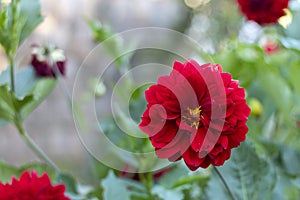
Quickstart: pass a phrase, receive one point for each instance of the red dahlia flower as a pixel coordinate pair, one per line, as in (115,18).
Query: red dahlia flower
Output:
(32,187)
(263,11)
(45,58)
(197,113)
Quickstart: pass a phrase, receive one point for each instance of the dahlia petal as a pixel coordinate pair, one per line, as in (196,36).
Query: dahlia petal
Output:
(179,144)
(163,137)
(178,66)
(192,160)
(150,94)
(175,157)
(222,157)
(207,161)
(223,141)
(226,79)
(30,187)
(216,151)
(197,139)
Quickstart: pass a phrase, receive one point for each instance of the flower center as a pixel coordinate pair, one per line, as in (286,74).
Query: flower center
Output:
(192,116)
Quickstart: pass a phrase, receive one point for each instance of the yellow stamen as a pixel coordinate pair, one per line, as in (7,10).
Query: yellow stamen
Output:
(193,116)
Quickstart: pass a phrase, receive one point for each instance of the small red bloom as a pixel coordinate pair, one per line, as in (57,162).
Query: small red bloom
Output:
(197,113)
(270,45)
(45,58)
(263,11)
(271,48)
(32,187)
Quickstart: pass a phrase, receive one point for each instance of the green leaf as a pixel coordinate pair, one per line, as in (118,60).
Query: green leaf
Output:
(30,91)
(40,168)
(170,179)
(4,33)
(278,89)
(5,76)
(114,188)
(195,178)
(17,21)
(121,189)
(8,171)
(248,176)
(290,160)
(74,189)
(163,193)
(31,11)
(100,32)
(25,80)
(68,181)
(40,91)
(10,105)
(294,77)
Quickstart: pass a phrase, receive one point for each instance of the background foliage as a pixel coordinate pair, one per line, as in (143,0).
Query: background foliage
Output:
(266,166)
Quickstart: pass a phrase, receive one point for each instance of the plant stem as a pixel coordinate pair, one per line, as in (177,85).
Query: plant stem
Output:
(224,182)
(147,181)
(12,73)
(35,148)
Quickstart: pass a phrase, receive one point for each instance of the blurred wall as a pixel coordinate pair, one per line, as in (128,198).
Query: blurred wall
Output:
(51,124)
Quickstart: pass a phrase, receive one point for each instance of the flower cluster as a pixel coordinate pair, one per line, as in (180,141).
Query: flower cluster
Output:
(32,187)
(263,11)
(197,113)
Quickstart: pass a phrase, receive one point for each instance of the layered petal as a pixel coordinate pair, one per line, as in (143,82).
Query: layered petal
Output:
(197,113)
(30,186)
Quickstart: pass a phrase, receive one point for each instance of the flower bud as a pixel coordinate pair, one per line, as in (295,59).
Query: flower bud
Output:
(48,61)
(256,107)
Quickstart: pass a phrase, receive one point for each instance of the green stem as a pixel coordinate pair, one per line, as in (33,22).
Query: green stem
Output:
(147,181)
(12,73)
(224,182)
(35,148)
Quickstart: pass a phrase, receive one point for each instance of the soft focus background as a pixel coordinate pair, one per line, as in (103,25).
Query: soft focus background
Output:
(51,124)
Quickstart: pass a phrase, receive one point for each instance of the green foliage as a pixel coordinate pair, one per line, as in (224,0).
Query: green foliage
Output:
(30,91)
(100,32)
(121,189)
(294,73)
(248,176)
(8,171)
(163,193)
(74,189)
(292,30)
(31,11)
(275,86)
(10,105)
(17,21)
(113,44)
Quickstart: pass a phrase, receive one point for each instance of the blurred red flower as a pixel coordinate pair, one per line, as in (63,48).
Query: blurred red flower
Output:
(197,113)
(136,176)
(271,48)
(263,11)
(32,187)
(45,58)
